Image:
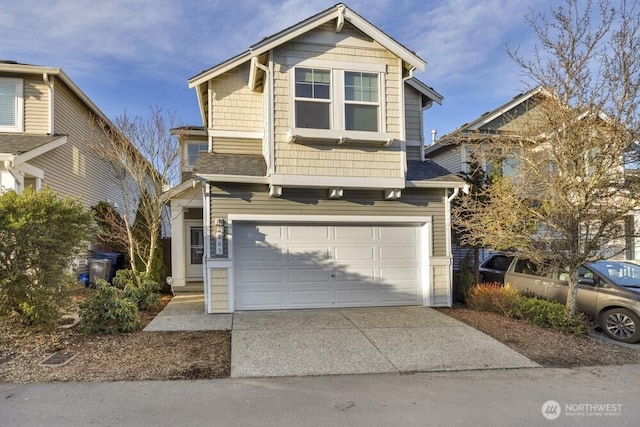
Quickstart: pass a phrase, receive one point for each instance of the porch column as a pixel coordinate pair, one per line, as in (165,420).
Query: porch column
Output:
(178,263)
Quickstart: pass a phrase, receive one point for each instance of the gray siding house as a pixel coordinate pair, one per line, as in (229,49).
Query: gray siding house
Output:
(308,187)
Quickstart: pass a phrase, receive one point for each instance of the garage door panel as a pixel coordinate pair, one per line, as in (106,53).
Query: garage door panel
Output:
(259,253)
(260,275)
(349,297)
(400,295)
(308,253)
(400,233)
(398,253)
(354,253)
(310,298)
(305,232)
(325,265)
(256,298)
(309,275)
(354,233)
(399,275)
(354,274)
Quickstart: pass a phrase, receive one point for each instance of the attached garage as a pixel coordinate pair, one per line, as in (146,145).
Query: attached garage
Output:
(319,264)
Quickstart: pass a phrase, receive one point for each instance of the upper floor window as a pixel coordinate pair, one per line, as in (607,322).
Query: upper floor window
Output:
(11,105)
(345,99)
(361,101)
(313,98)
(193,149)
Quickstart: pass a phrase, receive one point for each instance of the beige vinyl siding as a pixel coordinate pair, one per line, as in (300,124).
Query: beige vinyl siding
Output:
(413,153)
(235,106)
(237,146)
(254,199)
(329,159)
(36,106)
(338,160)
(413,114)
(72,169)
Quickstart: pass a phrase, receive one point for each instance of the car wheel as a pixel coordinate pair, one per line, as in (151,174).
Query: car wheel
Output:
(621,324)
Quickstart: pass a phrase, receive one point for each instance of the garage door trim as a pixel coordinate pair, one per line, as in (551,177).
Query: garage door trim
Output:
(425,223)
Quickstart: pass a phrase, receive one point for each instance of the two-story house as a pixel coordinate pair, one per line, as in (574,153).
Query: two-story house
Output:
(46,122)
(309,185)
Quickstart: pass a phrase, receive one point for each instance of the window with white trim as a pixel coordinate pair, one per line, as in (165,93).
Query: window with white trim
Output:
(361,101)
(343,99)
(11,105)
(313,98)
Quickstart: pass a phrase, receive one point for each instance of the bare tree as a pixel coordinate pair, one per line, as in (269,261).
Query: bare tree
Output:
(569,200)
(144,159)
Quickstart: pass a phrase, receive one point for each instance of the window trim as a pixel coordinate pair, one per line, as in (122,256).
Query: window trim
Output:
(186,166)
(337,110)
(19,105)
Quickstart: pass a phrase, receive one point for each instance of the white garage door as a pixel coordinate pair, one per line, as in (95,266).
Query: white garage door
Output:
(280,266)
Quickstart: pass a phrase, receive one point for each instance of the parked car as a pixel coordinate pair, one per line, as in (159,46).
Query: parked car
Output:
(493,268)
(608,292)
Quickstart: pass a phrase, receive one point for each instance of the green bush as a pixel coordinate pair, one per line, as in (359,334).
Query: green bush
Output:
(549,314)
(108,312)
(142,292)
(493,297)
(39,235)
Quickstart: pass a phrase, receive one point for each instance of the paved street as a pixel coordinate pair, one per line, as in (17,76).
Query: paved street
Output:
(588,396)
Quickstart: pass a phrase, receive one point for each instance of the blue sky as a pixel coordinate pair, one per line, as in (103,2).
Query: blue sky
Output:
(127,55)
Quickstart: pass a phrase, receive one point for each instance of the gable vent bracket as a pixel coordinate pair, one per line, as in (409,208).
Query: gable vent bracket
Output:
(340,21)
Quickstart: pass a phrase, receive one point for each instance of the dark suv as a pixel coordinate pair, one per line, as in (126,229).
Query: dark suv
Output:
(608,292)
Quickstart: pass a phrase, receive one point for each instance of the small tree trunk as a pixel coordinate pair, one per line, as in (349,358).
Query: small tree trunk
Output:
(476,265)
(572,293)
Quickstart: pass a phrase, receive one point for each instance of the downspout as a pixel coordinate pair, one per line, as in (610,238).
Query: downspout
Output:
(206,224)
(47,81)
(449,254)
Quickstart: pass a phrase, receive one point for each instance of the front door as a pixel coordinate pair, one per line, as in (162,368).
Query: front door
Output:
(195,249)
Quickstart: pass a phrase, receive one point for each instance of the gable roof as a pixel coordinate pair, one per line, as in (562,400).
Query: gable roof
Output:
(484,119)
(18,68)
(340,12)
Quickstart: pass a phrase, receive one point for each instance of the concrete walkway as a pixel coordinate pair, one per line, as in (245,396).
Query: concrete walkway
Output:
(343,341)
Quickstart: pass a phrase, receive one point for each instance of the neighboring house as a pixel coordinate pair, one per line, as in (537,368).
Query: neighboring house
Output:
(454,150)
(313,191)
(45,123)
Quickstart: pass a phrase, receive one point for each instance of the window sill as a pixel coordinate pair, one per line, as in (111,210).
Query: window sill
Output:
(301,135)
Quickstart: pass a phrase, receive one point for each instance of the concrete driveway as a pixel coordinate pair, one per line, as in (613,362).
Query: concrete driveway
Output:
(359,341)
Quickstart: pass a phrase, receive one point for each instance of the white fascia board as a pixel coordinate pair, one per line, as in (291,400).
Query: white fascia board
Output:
(435,184)
(315,181)
(53,71)
(425,90)
(502,110)
(233,178)
(386,41)
(24,157)
(219,69)
(304,27)
(330,218)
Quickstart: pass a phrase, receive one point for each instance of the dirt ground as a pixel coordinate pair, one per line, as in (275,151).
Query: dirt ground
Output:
(132,356)
(547,347)
(204,355)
